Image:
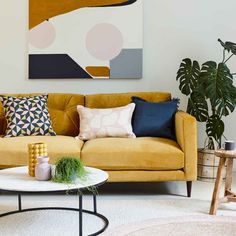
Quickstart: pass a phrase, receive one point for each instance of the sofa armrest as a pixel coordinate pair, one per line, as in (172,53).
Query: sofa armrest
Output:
(186,135)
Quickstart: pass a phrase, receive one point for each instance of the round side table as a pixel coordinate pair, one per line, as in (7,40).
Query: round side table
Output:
(17,181)
(226,157)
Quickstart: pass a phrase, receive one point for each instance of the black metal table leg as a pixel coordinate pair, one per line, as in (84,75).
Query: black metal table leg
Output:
(80,210)
(19,202)
(95,202)
(80,215)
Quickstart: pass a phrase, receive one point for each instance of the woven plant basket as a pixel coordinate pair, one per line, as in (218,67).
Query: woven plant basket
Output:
(208,163)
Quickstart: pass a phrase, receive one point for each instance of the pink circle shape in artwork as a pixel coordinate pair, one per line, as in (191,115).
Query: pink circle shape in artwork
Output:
(42,35)
(104,41)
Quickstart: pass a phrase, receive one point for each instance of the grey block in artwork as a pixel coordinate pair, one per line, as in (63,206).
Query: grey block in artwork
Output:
(128,64)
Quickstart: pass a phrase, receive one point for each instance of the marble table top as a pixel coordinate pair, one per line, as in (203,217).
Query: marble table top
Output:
(18,180)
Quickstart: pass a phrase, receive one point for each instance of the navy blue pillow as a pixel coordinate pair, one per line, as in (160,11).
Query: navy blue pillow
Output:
(154,119)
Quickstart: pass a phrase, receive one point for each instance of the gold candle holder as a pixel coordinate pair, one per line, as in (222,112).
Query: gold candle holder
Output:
(35,150)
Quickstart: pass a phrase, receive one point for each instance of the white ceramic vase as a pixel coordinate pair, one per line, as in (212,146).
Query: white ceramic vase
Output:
(43,169)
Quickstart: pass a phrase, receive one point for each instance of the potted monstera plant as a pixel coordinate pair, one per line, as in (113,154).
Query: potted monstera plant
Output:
(211,93)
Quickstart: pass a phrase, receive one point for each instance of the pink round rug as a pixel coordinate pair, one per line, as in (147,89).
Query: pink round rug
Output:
(179,226)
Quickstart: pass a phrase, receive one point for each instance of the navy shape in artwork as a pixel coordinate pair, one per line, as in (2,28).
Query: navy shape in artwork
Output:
(55,66)
(128,2)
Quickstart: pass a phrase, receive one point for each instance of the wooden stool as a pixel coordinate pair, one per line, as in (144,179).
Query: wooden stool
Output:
(225,157)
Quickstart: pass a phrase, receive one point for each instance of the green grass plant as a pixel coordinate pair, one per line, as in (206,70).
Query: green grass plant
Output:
(68,169)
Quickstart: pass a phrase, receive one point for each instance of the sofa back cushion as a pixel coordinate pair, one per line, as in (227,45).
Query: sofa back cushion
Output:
(62,109)
(122,99)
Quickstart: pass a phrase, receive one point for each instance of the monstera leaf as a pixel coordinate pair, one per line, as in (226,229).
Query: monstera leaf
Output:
(197,106)
(228,46)
(188,74)
(215,127)
(226,104)
(218,83)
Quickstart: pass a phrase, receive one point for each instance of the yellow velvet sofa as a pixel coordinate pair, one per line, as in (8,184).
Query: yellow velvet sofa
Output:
(145,159)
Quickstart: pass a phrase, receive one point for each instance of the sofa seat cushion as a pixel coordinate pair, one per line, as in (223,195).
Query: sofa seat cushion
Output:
(14,151)
(144,153)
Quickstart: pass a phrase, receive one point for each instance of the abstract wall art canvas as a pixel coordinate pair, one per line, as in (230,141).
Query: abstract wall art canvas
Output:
(85,39)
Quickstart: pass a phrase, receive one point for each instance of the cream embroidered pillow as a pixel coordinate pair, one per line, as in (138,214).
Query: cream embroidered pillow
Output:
(101,123)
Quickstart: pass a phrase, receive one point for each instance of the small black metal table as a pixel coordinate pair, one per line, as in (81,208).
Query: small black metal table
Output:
(17,181)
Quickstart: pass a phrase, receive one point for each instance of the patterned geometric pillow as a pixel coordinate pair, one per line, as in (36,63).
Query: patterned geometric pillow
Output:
(27,116)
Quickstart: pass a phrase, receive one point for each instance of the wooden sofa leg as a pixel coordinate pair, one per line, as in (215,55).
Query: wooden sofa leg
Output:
(189,188)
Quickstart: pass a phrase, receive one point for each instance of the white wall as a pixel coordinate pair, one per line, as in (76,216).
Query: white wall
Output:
(172,30)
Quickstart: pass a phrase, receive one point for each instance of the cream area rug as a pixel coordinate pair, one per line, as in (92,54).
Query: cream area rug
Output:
(124,212)
(180,226)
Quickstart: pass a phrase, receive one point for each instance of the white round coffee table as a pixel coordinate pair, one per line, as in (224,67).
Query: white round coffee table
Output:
(17,181)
